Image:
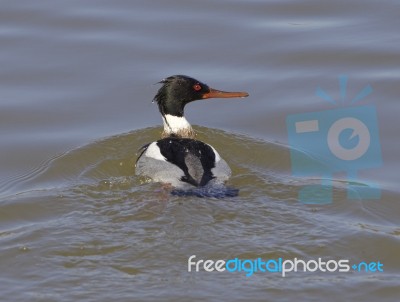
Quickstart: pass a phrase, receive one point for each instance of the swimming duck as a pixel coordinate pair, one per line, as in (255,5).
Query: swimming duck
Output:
(178,158)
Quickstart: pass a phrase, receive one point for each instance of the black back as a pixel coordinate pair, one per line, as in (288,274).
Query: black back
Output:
(195,158)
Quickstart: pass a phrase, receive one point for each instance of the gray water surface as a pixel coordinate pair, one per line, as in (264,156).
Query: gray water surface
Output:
(76,83)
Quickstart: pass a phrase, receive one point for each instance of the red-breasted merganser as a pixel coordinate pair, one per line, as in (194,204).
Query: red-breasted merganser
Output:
(178,158)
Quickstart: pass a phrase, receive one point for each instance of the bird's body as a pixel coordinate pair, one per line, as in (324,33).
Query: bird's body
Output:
(182,162)
(178,158)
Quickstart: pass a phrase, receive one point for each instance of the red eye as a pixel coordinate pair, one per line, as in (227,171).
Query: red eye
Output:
(197,87)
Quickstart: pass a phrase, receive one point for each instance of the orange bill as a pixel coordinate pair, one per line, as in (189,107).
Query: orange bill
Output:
(223,94)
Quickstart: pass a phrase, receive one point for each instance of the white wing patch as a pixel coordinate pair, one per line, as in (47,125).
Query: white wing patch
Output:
(153,151)
(217,157)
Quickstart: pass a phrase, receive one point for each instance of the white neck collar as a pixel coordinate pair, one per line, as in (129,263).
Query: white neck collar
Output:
(177,125)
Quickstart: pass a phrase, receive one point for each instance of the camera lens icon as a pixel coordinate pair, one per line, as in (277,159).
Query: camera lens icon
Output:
(335,140)
(358,128)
